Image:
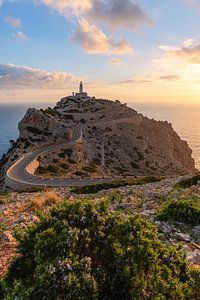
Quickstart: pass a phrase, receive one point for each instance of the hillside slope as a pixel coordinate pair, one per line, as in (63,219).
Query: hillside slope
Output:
(115,141)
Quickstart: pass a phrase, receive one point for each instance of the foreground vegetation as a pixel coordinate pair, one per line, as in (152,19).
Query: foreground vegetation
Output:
(180,211)
(94,188)
(186,183)
(89,251)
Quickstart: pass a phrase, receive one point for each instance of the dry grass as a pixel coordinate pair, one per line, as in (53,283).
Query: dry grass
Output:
(37,202)
(51,197)
(40,200)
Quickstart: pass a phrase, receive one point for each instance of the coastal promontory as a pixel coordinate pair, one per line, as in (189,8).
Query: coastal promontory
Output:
(84,137)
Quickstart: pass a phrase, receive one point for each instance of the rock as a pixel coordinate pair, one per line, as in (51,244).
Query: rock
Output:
(126,205)
(8,237)
(193,257)
(196,231)
(182,237)
(34,218)
(164,227)
(148,212)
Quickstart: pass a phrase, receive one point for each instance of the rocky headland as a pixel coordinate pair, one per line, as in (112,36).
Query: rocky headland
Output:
(114,141)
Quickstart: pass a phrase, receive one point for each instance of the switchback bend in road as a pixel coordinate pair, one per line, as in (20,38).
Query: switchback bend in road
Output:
(18,178)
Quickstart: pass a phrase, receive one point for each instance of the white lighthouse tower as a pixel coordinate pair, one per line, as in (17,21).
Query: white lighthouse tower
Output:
(81,93)
(81,88)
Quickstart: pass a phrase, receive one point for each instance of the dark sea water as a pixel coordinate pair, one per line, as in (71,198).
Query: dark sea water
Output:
(185,119)
(10,115)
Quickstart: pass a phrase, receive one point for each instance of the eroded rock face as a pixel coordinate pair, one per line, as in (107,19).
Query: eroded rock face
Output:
(115,138)
(40,126)
(140,146)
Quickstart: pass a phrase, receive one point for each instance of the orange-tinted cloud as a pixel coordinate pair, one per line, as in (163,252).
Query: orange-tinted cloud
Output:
(13,22)
(17,77)
(93,40)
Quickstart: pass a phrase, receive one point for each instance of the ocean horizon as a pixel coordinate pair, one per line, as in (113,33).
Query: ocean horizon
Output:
(185,119)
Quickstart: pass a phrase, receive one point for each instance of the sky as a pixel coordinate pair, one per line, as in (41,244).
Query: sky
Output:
(131,50)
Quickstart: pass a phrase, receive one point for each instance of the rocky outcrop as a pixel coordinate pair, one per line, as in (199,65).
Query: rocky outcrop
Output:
(43,127)
(116,140)
(139,146)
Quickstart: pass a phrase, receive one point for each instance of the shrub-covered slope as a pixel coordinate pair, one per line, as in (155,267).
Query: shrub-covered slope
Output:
(85,251)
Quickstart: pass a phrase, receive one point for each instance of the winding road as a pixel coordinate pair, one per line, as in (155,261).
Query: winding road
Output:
(18,178)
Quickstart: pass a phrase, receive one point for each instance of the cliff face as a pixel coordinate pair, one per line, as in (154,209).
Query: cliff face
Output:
(139,146)
(40,127)
(116,140)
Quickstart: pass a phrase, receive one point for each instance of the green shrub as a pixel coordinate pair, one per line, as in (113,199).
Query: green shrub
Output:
(61,154)
(80,173)
(34,130)
(134,165)
(94,188)
(85,251)
(41,170)
(90,169)
(180,211)
(49,169)
(65,166)
(186,183)
(2,229)
(51,112)
(53,169)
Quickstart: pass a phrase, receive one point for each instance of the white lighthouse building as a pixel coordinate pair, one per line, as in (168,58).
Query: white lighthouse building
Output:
(81,93)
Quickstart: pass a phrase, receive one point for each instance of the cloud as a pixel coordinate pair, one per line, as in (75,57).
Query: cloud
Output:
(20,35)
(169,78)
(13,22)
(168,48)
(152,79)
(189,52)
(93,40)
(68,7)
(118,14)
(117,61)
(115,13)
(195,3)
(22,77)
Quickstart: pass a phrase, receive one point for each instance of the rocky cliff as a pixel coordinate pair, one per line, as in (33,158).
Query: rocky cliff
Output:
(116,140)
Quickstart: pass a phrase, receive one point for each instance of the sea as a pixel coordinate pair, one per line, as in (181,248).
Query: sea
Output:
(185,119)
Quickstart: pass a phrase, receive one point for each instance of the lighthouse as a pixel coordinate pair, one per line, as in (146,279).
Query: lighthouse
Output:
(81,88)
(81,93)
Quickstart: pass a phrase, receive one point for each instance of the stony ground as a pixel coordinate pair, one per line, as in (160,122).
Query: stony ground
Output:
(18,210)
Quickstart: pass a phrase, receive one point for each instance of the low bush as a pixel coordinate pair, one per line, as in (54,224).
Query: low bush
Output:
(41,170)
(90,169)
(134,165)
(81,173)
(2,229)
(61,155)
(180,211)
(85,251)
(186,183)
(49,169)
(65,166)
(53,169)
(34,130)
(94,188)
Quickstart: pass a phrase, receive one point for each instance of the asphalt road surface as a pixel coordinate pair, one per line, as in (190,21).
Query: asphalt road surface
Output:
(18,178)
